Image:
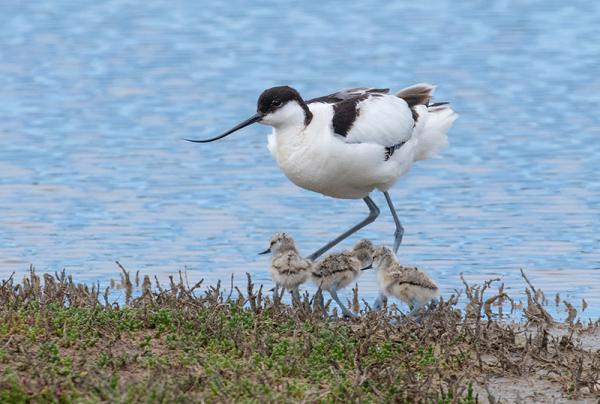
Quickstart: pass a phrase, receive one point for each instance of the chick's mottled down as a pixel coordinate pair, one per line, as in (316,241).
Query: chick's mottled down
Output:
(336,271)
(411,285)
(288,269)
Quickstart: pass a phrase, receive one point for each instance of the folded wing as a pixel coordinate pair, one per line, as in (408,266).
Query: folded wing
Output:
(370,115)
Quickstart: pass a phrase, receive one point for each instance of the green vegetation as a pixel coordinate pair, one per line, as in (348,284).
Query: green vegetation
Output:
(59,343)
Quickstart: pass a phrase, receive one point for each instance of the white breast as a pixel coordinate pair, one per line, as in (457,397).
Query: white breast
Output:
(316,159)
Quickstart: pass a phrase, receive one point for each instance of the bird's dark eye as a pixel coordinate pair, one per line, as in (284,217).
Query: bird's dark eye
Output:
(276,103)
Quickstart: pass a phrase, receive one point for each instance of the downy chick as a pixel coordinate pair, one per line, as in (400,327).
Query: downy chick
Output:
(336,271)
(288,269)
(411,285)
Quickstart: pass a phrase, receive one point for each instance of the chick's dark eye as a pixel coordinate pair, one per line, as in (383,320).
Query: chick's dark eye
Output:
(276,103)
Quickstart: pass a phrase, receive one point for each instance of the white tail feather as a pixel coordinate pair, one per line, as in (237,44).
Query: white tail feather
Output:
(431,131)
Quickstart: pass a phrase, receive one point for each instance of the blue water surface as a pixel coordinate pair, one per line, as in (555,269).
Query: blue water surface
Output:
(95,98)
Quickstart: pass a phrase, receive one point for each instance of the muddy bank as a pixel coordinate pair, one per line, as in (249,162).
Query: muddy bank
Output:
(60,340)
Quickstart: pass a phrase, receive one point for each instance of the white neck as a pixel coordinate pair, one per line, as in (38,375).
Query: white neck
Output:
(292,126)
(290,116)
(287,122)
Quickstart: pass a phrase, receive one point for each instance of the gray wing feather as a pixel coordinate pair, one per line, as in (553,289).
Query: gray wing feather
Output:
(343,95)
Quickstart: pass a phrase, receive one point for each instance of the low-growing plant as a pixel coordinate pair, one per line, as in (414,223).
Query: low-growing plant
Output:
(62,341)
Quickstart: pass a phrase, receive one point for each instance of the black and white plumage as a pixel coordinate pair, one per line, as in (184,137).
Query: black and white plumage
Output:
(352,142)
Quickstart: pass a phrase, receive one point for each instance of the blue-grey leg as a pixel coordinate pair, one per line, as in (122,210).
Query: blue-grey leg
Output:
(296,295)
(321,301)
(415,308)
(344,309)
(276,293)
(373,213)
(399,229)
(378,304)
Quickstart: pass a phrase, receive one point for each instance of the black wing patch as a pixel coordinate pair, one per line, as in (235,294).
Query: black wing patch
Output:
(415,115)
(345,113)
(389,151)
(345,106)
(437,104)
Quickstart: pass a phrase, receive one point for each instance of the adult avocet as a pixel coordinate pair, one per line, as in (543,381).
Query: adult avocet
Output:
(349,143)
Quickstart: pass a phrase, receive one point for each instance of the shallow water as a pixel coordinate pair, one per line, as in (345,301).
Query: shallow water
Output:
(95,101)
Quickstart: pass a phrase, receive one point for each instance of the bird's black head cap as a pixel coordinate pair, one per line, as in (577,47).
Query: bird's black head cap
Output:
(276,97)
